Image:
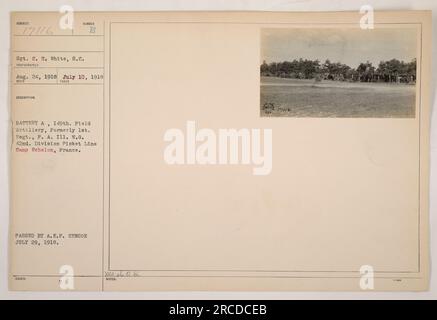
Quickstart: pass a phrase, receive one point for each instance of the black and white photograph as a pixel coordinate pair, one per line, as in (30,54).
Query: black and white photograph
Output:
(338,72)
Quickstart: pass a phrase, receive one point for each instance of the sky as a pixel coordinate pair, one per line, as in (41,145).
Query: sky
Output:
(346,45)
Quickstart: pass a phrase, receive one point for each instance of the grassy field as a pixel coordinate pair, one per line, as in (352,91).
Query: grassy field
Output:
(307,98)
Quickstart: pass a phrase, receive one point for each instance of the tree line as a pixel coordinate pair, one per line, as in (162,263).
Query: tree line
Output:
(392,71)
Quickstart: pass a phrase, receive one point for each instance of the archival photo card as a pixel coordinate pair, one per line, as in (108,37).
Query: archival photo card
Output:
(141,162)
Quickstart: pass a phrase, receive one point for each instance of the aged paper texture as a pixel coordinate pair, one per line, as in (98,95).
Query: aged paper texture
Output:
(219,151)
